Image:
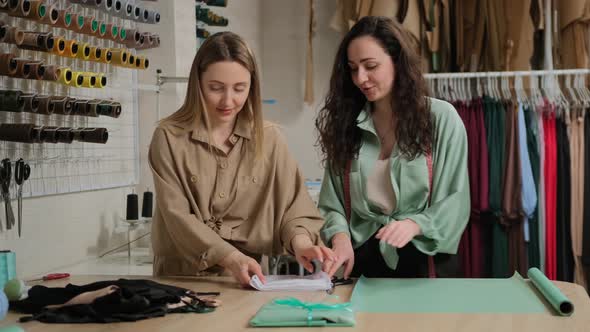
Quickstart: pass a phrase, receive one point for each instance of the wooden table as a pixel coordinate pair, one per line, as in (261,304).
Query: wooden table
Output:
(240,305)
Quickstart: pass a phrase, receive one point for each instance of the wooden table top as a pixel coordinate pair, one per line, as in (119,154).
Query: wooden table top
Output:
(240,305)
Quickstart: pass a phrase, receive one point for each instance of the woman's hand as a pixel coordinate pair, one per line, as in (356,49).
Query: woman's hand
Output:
(305,252)
(399,233)
(342,247)
(242,267)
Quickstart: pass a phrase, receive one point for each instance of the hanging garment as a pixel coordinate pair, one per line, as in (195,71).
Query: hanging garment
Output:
(512,216)
(577,190)
(581,274)
(532,132)
(495,129)
(574,16)
(529,192)
(565,271)
(550,193)
(542,204)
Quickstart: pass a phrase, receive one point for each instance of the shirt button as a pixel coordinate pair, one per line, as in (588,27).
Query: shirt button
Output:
(255,179)
(224,165)
(233,139)
(222,194)
(194,178)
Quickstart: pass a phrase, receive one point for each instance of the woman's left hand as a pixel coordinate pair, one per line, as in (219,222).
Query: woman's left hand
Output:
(305,252)
(399,233)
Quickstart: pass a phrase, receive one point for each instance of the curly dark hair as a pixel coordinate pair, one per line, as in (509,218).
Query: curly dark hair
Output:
(339,136)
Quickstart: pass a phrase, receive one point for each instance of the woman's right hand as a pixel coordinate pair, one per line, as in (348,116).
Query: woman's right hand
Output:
(242,267)
(342,247)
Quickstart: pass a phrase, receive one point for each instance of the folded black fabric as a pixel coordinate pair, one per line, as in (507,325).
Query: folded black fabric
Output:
(132,300)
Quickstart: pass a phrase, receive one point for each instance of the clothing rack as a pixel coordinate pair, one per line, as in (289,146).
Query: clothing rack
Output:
(493,74)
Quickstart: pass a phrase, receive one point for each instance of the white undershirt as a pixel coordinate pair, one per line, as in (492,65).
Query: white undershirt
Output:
(380,189)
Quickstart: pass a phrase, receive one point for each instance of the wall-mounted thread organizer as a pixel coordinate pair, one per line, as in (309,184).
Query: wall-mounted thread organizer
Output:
(73,117)
(207,18)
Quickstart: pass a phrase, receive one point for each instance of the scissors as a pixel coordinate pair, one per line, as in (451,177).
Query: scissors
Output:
(5,174)
(22,171)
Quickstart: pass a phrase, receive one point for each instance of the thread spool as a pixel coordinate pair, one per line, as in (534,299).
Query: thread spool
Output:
(19,132)
(64,19)
(129,8)
(150,16)
(52,73)
(19,8)
(77,80)
(49,134)
(106,56)
(11,101)
(112,32)
(78,23)
(46,106)
(102,30)
(112,109)
(72,48)
(36,70)
(130,61)
(59,46)
(62,105)
(119,57)
(35,41)
(132,37)
(51,16)
(22,70)
(91,135)
(31,104)
(83,52)
(147,204)
(15,289)
(137,12)
(141,62)
(101,81)
(90,26)
(65,135)
(66,76)
(8,64)
(132,207)
(106,5)
(10,35)
(38,10)
(89,81)
(122,35)
(95,53)
(117,9)
(93,108)
(80,107)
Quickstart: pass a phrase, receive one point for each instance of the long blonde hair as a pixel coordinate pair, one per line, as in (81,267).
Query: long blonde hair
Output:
(222,46)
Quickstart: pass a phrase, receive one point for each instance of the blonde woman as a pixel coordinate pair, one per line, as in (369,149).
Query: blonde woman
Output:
(227,188)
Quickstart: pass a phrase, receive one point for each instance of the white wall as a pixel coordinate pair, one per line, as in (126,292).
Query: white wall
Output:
(284,47)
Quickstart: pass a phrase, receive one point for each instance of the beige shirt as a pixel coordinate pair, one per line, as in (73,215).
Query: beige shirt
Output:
(209,203)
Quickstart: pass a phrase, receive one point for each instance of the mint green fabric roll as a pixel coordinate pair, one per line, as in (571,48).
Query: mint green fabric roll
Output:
(13,328)
(552,294)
